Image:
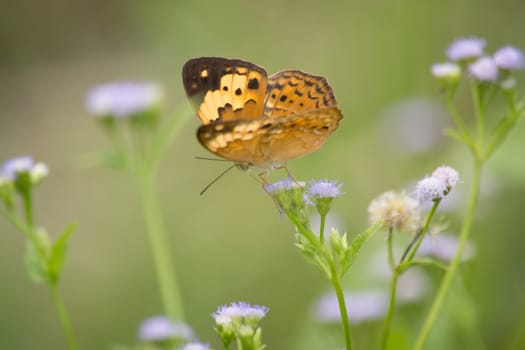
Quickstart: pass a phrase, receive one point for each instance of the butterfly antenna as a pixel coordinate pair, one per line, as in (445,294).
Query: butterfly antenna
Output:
(217,178)
(214,159)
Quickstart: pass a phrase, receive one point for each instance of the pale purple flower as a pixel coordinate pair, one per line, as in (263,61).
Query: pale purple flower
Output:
(447,70)
(413,125)
(325,189)
(361,306)
(466,48)
(156,329)
(12,167)
(239,310)
(281,185)
(484,69)
(509,58)
(430,188)
(448,175)
(412,286)
(444,246)
(195,346)
(123,99)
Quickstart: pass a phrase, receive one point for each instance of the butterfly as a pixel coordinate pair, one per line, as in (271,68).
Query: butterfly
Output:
(258,121)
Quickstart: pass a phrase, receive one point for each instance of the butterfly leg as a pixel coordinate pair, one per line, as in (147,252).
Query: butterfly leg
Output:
(290,175)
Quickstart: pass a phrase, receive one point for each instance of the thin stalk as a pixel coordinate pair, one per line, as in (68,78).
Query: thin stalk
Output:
(480,118)
(321,229)
(391,250)
(423,231)
(164,265)
(64,318)
(28,207)
(342,306)
(390,313)
(447,279)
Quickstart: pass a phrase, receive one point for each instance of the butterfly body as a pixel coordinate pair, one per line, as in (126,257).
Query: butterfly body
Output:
(255,120)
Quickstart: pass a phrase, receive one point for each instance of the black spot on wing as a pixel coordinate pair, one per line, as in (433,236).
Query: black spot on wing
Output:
(253,84)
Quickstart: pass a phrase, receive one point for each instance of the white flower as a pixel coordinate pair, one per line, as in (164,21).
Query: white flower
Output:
(447,71)
(430,188)
(448,175)
(397,210)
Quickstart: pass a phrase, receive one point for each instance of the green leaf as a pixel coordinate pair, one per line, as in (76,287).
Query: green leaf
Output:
(357,244)
(37,253)
(58,254)
(455,134)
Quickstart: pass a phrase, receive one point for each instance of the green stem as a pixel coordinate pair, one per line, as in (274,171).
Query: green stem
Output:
(28,208)
(457,117)
(342,306)
(391,250)
(390,313)
(159,242)
(64,318)
(447,279)
(478,109)
(321,229)
(424,230)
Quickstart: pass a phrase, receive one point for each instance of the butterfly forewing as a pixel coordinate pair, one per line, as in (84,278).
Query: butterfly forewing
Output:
(221,89)
(294,92)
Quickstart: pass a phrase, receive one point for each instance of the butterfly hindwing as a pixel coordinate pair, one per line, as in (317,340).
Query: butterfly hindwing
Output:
(294,92)
(224,89)
(270,140)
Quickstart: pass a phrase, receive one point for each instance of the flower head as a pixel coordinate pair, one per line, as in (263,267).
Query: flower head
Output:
(325,189)
(438,185)
(155,329)
(430,189)
(23,172)
(239,321)
(240,310)
(123,99)
(160,328)
(509,58)
(281,185)
(361,306)
(195,346)
(12,167)
(484,69)
(397,211)
(448,175)
(448,72)
(467,48)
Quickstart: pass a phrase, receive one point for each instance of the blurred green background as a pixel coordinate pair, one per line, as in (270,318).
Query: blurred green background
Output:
(230,244)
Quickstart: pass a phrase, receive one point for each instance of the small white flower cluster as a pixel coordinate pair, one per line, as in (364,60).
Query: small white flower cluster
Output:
(398,211)
(438,185)
(13,168)
(484,68)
